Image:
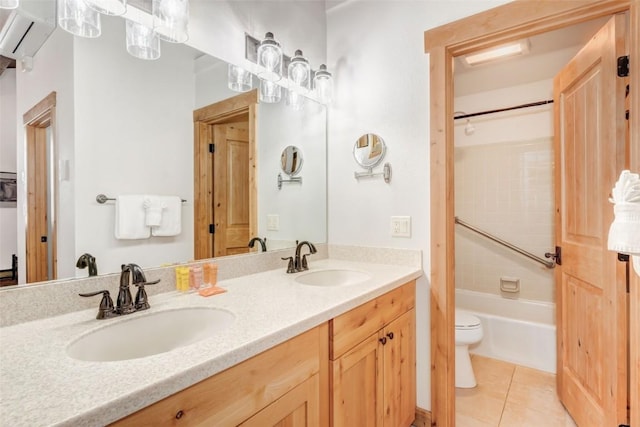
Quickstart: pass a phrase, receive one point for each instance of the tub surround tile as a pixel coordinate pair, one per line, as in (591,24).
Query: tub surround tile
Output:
(41,386)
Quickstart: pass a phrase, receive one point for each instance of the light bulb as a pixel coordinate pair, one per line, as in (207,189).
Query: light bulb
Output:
(299,70)
(270,58)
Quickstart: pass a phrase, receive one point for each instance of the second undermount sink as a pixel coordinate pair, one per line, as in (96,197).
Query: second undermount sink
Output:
(333,277)
(150,334)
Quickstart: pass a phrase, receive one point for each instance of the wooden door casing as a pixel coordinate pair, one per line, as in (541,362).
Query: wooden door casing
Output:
(590,289)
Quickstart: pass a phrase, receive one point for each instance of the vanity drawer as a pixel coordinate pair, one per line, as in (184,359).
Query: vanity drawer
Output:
(353,327)
(234,395)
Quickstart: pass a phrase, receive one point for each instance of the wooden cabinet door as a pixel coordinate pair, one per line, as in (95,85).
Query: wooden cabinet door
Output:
(400,371)
(357,387)
(297,408)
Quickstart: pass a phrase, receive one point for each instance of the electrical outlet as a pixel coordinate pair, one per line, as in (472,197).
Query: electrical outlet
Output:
(273,222)
(400,226)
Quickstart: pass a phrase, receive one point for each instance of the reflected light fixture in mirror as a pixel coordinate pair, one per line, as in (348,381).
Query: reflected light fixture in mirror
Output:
(324,85)
(171,20)
(299,70)
(108,7)
(239,79)
(142,41)
(295,101)
(270,58)
(270,92)
(9,4)
(79,19)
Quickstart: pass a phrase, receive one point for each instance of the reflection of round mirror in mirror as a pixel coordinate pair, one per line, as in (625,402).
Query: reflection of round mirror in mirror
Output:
(291,160)
(369,150)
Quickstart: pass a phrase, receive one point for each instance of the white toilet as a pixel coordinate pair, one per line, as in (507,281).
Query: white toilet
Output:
(468,331)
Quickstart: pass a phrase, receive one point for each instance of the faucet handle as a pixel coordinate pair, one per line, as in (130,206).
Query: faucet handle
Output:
(290,267)
(142,302)
(304,265)
(106,304)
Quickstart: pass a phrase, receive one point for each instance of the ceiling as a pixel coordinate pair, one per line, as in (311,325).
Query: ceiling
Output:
(548,53)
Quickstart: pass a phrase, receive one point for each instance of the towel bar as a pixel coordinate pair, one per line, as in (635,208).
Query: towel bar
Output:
(101,198)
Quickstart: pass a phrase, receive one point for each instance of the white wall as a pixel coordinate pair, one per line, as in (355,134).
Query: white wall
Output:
(504,185)
(382,85)
(52,71)
(134,135)
(8,214)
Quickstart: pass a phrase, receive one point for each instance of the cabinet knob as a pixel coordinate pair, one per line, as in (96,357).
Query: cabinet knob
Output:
(383,340)
(390,335)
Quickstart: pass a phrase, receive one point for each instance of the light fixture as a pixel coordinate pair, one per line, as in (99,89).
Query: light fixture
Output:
(239,79)
(624,233)
(171,20)
(295,100)
(270,92)
(108,7)
(299,71)
(270,59)
(323,82)
(142,41)
(9,4)
(494,54)
(79,19)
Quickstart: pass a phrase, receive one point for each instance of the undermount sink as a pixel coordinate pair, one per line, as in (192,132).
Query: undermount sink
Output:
(336,277)
(150,334)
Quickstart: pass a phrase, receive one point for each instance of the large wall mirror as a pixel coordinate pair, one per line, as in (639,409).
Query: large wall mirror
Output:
(126,126)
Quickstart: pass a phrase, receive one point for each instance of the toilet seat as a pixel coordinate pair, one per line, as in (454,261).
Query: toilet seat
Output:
(466,320)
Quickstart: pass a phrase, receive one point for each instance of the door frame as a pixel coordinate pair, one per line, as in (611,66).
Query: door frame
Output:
(220,112)
(512,21)
(35,121)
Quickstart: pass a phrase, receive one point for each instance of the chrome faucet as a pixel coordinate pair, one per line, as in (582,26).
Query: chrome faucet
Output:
(300,264)
(88,260)
(130,274)
(263,243)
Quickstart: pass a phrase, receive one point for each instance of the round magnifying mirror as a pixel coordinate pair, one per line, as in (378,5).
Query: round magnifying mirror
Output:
(369,150)
(291,160)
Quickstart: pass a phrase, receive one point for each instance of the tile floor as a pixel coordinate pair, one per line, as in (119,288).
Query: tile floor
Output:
(509,395)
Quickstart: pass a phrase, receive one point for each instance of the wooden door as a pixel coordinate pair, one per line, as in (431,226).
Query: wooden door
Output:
(298,408)
(37,212)
(400,371)
(357,386)
(589,144)
(231,188)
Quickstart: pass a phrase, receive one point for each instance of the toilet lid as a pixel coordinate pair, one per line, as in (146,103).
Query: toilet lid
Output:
(466,320)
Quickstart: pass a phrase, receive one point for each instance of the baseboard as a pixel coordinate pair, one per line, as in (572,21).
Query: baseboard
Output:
(423,418)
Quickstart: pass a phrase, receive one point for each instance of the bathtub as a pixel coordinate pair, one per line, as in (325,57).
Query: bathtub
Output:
(517,331)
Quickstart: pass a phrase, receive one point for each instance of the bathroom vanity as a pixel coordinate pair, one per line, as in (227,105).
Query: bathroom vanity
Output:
(299,350)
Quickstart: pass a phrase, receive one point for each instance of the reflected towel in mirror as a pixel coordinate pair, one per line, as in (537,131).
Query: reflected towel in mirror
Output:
(171,222)
(130,218)
(153,206)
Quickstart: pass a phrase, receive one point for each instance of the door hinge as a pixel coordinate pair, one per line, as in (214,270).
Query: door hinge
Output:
(557,256)
(625,258)
(623,66)
(212,148)
(43,239)
(212,229)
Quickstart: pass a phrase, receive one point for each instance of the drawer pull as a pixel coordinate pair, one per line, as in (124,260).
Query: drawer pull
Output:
(390,335)
(383,340)
(179,414)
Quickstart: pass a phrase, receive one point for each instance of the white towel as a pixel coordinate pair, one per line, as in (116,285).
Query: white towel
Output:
(171,222)
(153,206)
(130,218)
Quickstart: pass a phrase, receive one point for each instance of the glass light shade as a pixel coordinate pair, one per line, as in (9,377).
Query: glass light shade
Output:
(324,85)
(299,71)
(270,58)
(142,41)
(79,19)
(270,92)
(171,20)
(295,101)
(9,4)
(108,7)
(239,79)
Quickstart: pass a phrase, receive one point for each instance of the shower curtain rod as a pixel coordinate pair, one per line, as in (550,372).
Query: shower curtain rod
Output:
(500,110)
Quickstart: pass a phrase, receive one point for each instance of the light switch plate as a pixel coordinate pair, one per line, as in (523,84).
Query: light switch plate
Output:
(400,226)
(273,222)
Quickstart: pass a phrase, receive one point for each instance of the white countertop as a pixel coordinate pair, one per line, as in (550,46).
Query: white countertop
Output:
(40,385)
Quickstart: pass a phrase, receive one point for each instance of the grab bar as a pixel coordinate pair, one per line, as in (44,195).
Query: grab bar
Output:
(548,264)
